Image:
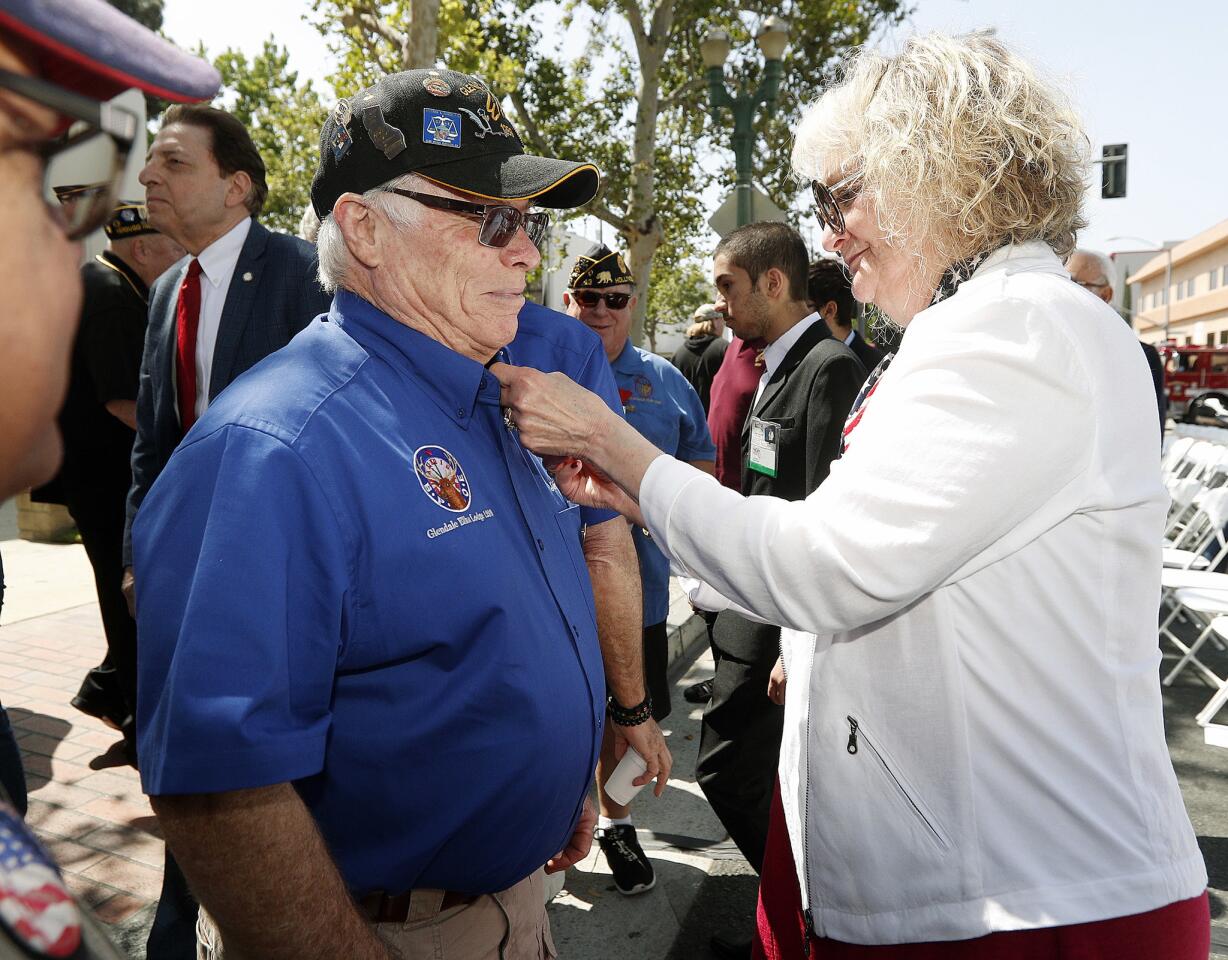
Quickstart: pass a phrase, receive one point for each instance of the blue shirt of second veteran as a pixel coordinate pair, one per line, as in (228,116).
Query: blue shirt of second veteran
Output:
(354,578)
(664,408)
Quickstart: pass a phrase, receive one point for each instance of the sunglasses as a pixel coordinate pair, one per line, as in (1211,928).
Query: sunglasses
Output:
(829,200)
(590,298)
(499,222)
(79,156)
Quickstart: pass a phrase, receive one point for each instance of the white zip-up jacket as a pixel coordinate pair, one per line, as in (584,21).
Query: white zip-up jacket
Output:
(974,738)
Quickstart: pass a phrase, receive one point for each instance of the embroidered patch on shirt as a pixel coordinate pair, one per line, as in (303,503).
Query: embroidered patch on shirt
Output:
(442,478)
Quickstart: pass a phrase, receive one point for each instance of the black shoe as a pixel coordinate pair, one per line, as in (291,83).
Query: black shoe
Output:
(99,697)
(698,692)
(727,948)
(632,871)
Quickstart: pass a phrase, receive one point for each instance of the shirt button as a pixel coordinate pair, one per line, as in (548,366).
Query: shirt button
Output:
(460,412)
(485,381)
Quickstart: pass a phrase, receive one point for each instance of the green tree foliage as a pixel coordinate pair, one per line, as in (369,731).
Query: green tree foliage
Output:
(678,287)
(284,118)
(633,100)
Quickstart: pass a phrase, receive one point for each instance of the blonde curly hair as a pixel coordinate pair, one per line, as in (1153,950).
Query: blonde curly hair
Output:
(962,146)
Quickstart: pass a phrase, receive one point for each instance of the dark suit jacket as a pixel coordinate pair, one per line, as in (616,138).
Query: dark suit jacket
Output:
(809,397)
(869,355)
(260,315)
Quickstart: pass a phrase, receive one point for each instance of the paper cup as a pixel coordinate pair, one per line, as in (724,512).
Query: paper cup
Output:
(619,787)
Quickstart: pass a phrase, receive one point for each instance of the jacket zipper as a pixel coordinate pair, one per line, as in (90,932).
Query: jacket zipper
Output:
(852,748)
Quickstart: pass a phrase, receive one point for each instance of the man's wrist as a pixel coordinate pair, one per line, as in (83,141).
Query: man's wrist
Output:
(629,716)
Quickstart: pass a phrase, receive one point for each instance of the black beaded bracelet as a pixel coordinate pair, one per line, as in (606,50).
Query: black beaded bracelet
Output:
(629,716)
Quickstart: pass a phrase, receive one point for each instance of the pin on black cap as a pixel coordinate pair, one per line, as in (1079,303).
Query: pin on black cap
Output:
(448,127)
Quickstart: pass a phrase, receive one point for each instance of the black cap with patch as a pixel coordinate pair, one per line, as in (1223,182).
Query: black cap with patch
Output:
(128,219)
(599,267)
(447,127)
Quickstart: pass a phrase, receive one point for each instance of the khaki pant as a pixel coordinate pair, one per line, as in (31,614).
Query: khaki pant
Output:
(509,925)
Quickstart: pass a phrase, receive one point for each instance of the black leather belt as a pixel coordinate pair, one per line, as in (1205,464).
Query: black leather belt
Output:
(381,907)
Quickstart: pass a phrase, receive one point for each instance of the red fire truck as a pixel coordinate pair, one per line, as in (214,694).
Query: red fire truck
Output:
(1193,372)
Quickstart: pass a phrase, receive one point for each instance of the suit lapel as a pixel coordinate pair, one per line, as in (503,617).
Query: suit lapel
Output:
(168,335)
(240,299)
(816,332)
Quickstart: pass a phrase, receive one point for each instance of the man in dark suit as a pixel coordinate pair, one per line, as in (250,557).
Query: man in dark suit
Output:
(242,294)
(789,440)
(831,296)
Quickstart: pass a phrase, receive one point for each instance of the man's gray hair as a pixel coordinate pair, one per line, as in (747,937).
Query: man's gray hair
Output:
(335,259)
(1102,262)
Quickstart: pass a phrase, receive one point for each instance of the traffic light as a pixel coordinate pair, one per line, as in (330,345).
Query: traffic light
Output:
(1113,171)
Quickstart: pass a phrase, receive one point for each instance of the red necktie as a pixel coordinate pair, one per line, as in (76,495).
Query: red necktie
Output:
(187,319)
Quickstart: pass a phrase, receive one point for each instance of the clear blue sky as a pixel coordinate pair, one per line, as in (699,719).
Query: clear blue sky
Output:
(1150,74)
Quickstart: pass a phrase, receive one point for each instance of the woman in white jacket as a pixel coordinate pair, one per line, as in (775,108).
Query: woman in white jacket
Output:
(974,763)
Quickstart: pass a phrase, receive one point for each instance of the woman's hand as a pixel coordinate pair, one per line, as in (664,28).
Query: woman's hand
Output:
(554,415)
(584,484)
(777,682)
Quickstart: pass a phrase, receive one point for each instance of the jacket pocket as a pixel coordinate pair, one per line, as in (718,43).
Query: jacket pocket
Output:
(862,743)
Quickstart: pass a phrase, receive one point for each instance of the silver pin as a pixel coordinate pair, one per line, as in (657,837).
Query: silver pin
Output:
(247,277)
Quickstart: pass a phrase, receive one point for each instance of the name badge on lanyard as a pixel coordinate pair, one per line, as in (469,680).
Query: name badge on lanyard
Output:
(764,445)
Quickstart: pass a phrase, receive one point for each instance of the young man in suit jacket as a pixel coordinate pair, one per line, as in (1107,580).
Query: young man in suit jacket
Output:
(242,293)
(831,297)
(789,440)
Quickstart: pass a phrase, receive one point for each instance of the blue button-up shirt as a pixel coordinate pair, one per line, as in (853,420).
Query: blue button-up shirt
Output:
(354,578)
(660,403)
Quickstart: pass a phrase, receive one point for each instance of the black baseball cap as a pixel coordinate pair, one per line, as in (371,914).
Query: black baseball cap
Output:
(89,47)
(447,127)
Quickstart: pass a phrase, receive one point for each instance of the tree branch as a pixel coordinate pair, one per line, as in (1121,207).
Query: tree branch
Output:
(373,25)
(635,19)
(599,210)
(528,125)
(676,96)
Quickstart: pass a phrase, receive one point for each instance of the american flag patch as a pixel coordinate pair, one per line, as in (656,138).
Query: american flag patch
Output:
(36,908)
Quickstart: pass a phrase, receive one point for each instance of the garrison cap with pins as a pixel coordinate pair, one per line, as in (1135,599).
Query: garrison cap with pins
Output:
(129,219)
(447,127)
(599,267)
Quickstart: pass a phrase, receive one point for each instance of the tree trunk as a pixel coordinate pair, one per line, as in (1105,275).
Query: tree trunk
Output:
(421,45)
(646,233)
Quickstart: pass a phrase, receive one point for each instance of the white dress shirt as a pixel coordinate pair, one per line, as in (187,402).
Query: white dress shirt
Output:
(217,267)
(778,349)
(973,736)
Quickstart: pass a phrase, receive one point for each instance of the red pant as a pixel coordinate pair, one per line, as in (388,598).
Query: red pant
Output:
(1179,931)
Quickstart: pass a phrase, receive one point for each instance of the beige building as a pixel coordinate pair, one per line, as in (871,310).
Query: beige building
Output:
(1191,292)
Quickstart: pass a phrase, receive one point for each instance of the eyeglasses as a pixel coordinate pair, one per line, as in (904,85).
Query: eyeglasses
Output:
(1090,285)
(499,221)
(590,298)
(94,154)
(829,200)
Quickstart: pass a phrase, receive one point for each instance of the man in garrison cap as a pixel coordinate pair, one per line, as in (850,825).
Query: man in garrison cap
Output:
(98,423)
(659,402)
(372,689)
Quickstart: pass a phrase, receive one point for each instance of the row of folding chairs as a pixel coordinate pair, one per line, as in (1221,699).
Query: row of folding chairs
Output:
(1194,591)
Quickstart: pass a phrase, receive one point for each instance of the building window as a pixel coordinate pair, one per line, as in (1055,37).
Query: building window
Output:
(1223,277)
(1212,280)
(1189,287)
(1223,338)
(1210,339)
(1181,291)
(1164,296)
(1189,341)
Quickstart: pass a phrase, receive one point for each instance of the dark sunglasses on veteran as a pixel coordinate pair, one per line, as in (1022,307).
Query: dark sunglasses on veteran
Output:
(590,298)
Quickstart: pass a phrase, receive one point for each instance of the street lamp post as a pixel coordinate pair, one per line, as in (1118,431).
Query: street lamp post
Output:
(714,49)
(1168,272)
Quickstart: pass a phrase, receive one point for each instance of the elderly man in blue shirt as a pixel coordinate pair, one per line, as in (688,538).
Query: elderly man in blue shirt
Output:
(372,690)
(660,403)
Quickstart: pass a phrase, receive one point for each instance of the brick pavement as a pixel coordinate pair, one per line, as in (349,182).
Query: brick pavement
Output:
(84,803)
